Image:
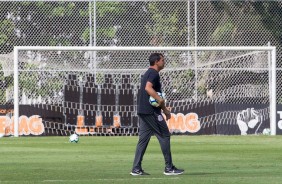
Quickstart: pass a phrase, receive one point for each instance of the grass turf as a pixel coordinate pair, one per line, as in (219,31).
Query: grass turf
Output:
(206,159)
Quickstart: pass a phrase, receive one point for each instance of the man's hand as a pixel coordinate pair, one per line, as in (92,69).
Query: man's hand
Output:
(161,102)
(149,89)
(167,114)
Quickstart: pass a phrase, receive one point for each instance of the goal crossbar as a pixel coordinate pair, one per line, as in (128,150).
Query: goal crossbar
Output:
(93,48)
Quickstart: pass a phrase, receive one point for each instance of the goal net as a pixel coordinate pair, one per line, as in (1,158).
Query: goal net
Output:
(94,90)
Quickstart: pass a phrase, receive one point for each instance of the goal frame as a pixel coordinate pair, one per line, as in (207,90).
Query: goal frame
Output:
(270,49)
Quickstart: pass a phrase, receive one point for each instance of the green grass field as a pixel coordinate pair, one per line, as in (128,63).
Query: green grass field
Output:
(206,159)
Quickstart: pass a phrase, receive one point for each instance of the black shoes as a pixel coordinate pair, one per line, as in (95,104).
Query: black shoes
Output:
(173,171)
(138,173)
(168,171)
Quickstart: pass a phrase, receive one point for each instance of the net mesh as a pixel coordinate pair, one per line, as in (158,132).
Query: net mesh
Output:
(234,76)
(71,84)
(6,62)
(189,77)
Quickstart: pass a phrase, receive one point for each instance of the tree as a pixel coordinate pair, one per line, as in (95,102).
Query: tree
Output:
(269,13)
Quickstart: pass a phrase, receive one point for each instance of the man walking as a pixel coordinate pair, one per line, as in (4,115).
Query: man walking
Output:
(151,119)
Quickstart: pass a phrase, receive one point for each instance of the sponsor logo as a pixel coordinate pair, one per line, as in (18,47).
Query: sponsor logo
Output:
(27,126)
(249,118)
(160,118)
(279,124)
(184,123)
(34,126)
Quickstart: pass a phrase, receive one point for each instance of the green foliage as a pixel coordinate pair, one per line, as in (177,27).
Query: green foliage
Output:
(54,23)
(6,26)
(108,32)
(6,31)
(28,81)
(59,11)
(165,23)
(270,13)
(59,41)
(2,90)
(218,5)
(51,9)
(86,35)
(182,88)
(100,78)
(66,9)
(3,38)
(107,14)
(201,90)
(106,8)
(9,81)
(135,78)
(224,33)
(279,101)
(43,7)
(35,84)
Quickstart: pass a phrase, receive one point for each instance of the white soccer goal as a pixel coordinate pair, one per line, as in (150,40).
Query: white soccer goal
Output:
(193,75)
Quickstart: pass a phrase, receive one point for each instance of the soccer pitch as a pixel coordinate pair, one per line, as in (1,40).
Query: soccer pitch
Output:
(206,159)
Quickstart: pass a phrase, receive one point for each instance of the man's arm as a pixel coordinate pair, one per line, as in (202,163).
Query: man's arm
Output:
(150,90)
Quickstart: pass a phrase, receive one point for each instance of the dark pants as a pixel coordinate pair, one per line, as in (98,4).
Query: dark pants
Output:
(152,124)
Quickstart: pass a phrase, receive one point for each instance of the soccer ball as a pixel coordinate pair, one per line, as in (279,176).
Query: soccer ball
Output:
(154,102)
(74,138)
(266,131)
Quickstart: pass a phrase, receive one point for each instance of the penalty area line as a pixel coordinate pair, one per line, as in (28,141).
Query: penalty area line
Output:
(114,179)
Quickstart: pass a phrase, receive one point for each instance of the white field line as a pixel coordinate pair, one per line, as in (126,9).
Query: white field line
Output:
(116,179)
(110,179)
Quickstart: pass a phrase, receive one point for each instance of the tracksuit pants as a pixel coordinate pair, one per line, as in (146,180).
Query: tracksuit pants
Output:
(149,125)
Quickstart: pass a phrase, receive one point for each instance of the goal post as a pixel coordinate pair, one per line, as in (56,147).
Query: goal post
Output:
(191,58)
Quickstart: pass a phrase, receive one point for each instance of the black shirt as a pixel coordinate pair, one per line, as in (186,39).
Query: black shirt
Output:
(144,106)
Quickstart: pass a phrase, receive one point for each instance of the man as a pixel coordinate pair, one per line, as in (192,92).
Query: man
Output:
(151,119)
